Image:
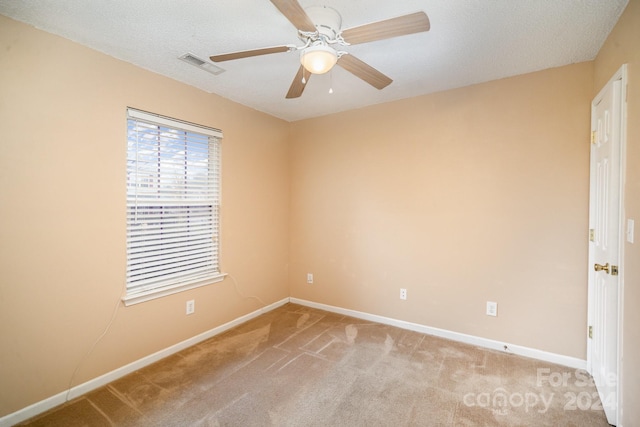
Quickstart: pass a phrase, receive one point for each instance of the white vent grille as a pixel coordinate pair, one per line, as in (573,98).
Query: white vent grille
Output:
(190,58)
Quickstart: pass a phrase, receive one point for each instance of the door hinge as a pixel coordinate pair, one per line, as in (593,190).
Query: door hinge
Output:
(614,270)
(592,235)
(591,332)
(593,136)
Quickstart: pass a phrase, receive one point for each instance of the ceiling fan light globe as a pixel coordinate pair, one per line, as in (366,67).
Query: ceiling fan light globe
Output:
(318,59)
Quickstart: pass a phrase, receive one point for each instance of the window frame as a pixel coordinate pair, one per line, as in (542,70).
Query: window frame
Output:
(141,293)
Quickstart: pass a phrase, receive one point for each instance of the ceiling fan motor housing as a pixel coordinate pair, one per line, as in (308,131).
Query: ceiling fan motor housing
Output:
(327,20)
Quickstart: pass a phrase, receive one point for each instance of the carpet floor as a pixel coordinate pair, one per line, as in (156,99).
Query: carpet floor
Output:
(297,366)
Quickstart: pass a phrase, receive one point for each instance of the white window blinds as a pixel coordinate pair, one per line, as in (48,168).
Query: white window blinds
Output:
(173,205)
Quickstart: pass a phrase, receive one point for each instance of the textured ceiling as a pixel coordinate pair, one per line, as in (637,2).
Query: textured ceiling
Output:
(470,41)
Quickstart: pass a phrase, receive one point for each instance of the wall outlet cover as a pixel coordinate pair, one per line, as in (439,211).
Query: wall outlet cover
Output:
(191,306)
(492,308)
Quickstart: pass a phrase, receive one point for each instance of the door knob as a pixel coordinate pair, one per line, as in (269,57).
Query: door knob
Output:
(598,267)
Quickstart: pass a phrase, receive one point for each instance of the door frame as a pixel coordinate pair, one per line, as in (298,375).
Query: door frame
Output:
(620,75)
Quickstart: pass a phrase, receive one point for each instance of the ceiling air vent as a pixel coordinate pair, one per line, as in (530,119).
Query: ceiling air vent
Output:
(190,58)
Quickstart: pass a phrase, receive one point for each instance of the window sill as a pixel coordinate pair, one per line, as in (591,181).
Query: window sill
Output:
(137,298)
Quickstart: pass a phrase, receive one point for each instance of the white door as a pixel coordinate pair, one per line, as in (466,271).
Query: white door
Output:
(604,247)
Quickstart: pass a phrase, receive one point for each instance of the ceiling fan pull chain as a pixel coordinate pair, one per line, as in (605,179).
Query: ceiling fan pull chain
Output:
(331,82)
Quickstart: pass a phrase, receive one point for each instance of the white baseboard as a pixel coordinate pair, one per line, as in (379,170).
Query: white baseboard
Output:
(559,359)
(60,398)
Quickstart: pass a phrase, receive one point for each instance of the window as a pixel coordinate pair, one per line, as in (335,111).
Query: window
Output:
(173,206)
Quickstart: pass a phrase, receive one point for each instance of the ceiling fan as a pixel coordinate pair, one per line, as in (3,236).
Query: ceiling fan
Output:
(319,29)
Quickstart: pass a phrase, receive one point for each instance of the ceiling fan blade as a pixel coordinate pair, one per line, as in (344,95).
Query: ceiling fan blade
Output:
(364,71)
(292,10)
(249,53)
(297,86)
(394,27)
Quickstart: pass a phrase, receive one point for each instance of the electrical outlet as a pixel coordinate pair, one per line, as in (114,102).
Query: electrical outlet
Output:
(403,293)
(191,306)
(492,308)
(309,278)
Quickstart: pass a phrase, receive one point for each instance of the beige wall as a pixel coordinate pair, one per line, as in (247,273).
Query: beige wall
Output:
(461,197)
(623,46)
(62,216)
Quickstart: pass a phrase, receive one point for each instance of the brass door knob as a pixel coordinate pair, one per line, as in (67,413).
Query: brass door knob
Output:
(598,267)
